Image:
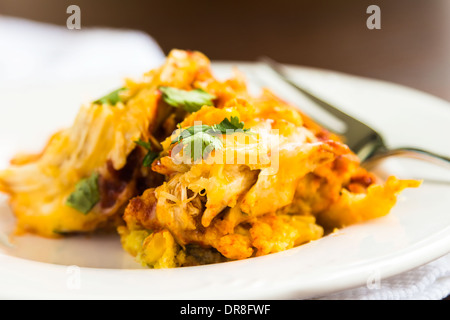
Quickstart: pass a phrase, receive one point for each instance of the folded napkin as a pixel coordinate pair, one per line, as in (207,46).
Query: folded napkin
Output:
(32,52)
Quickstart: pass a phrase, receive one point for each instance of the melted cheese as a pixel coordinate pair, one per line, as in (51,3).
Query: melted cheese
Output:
(101,135)
(285,183)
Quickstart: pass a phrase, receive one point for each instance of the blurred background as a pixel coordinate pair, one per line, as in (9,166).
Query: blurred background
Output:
(412,48)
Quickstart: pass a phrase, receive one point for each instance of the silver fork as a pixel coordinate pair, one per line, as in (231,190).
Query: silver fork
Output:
(361,139)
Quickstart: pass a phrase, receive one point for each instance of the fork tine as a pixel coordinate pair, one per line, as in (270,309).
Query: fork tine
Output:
(278,69)
(361,138)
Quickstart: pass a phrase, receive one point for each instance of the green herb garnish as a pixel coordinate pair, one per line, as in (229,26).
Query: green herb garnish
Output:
(111,98)
(86,194)
(232,124)
(190,131)
(190,101)
(208,142)
(208,137)
(150,156)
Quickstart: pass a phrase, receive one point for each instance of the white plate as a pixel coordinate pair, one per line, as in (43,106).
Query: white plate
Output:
(416,232)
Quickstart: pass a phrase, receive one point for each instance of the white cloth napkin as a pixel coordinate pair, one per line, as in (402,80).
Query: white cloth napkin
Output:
(428,282)
(33,52)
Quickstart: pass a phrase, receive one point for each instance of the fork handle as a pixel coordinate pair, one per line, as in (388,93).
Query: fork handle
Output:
(410,152)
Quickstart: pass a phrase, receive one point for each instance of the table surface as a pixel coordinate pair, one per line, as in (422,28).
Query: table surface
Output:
(411,48)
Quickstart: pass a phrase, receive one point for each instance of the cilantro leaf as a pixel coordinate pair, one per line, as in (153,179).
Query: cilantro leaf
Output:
(86,194)
(185,133)
(207,138)
(200,144)
(191,100)
(230,124)
(111,98)
(144,144)
(150,156)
